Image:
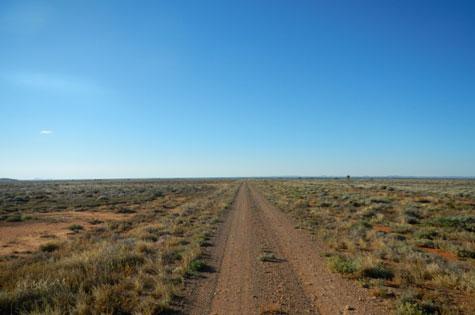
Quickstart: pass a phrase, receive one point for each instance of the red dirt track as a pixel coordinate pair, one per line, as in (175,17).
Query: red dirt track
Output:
(265,266)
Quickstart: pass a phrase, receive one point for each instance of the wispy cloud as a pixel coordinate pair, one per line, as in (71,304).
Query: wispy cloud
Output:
(52,82)
(46,132)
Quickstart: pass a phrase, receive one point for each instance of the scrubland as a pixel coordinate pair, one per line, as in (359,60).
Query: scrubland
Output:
(104,247)
(130,247)
(408,241)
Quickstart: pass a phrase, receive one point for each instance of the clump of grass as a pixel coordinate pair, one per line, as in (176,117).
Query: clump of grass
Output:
(49,247)
(410,304)
(380,200)
(150,238)
(429,234)
(76,227)
(102,199)
(169,256)
(407,308)
(16,218)
(412,216)
(341,264)
(383,293)
(204,240)
(272,309)
(95,221)
(123,210)
(268,257)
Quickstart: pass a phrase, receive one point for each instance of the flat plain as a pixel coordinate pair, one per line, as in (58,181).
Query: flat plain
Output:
(254,246)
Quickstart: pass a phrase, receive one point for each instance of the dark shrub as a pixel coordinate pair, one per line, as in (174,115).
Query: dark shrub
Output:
(196,265)
(125,210)
(49,247)
(14,218)
(466,223)
(76,227)
(465,253)
(377,272)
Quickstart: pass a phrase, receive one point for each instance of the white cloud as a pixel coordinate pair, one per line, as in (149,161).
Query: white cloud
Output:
(46,132)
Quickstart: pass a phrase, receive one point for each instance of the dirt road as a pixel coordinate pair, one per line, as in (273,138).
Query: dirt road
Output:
(265,266)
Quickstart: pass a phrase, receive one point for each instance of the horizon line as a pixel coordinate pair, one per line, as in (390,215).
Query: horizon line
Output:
(240,177)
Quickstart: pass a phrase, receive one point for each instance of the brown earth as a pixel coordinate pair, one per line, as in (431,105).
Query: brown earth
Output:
(442,253)
(263,265)
(26,237)
(382,228)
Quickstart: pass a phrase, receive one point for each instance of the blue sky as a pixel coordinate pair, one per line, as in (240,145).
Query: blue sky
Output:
(108,89)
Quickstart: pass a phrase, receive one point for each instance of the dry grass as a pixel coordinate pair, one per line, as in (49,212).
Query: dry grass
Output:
(132,266)
(411,241)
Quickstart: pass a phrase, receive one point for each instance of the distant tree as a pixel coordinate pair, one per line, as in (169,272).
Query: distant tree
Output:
(348,177)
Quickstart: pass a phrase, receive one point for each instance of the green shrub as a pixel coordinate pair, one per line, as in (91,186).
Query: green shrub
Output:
(342,265)
(466,223)
(15,218)
(195,266)
(408,308)
(414,308)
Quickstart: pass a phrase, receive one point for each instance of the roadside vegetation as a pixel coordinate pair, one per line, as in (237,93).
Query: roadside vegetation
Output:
(409,241)
(135,265)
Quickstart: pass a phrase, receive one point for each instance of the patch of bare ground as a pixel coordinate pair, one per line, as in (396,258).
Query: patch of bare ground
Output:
(20,238)
(441,253)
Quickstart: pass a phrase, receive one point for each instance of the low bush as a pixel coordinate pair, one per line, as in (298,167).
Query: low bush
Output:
(16,218)
(49,247)
(196,266)
(342,265)
(465,253)
(429,234)
(377,272)
(125,211)
(76,227)
(268,257)
(466,223)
